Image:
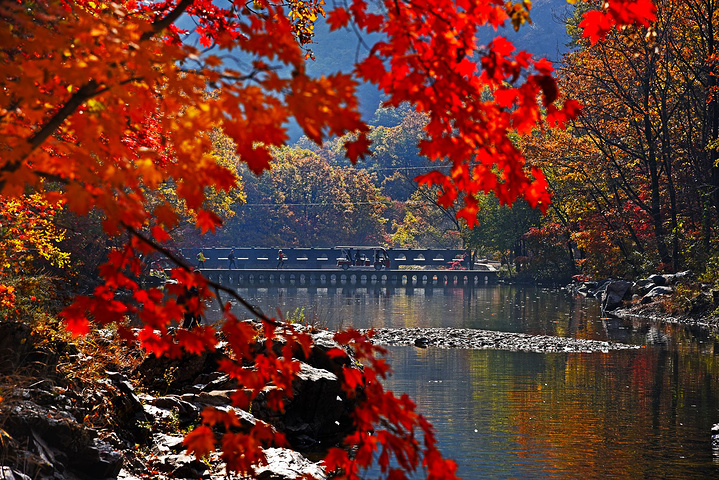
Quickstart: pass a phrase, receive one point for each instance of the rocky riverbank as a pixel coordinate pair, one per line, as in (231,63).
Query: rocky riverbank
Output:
(676,298)
(67,415)
(69,412)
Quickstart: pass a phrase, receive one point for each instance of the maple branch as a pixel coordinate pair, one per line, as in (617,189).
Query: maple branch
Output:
(82,94)
(163,23)
(77,99)
(85,92)
(216,286)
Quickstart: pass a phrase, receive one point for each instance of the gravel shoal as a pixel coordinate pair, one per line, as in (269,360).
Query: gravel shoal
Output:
(486,339)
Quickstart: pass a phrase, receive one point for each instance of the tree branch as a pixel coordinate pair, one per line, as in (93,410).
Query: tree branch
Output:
(218,287)
(166,21)
(84,93)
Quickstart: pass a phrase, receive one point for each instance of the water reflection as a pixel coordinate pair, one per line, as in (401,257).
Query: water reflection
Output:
(504,308)
(523,415)
(624,414)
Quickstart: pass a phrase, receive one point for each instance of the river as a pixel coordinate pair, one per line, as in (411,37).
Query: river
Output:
(643,413)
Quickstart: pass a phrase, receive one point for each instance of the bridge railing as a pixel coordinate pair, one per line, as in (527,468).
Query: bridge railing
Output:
(321,258)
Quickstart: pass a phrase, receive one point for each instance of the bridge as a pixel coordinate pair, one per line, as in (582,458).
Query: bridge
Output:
(317,278)
(323,258)
(317,267)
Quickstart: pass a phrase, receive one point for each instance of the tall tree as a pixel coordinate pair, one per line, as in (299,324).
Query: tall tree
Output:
(501,229)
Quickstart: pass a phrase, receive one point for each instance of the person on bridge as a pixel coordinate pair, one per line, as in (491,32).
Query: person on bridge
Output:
(280,259)
(201,260)
(231,260)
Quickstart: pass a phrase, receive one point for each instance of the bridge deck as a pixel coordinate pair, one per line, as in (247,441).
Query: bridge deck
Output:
(330,277)
(308,258)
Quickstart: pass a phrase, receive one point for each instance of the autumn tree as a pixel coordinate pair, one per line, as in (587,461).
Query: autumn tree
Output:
(29,252)
(500,230)
(647,114)
(424,224)
(305,201)
(588,211)
(102,102)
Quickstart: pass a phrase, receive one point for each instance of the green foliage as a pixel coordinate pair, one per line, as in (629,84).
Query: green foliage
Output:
(296,316)
(305,201)
(711,272)
(501,228)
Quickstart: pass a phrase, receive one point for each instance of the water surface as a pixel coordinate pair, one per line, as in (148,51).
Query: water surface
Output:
(624,414)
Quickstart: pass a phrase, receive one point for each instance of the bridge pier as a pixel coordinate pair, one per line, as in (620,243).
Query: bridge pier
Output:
(329,278)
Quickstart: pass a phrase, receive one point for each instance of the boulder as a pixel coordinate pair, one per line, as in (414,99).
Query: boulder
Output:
(126,403)
(284,464)
(58,443)
(317,415)
(162,374)
(180,466)
(614,294)
(658,280)
(7,473)
(163,444)
(656,292)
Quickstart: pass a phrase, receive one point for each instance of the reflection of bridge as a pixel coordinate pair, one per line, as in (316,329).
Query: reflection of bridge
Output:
(310,278)
(310,258)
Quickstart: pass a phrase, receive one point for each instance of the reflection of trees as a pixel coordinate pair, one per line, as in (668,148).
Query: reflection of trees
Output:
(605,415)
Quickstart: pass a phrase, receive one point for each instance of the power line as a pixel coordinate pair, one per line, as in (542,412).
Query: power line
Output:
(345,204)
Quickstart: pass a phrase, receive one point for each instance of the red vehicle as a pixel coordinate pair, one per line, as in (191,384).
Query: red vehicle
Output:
(367,257)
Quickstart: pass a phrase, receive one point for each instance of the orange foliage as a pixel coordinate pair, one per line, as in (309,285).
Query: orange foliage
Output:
(108,99)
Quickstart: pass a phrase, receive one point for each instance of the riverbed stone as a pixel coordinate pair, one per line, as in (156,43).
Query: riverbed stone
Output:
(487,339)
(614,294)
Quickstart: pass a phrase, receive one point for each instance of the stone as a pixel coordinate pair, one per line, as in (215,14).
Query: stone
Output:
(614,294)
(164,444)
(658,280)
(284,464)
(165,374)
(60,443)
(7,473)
(217,397)
(486,339)
(180,466)
(127,404)
(656,292)
(317,415)
(187,411)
